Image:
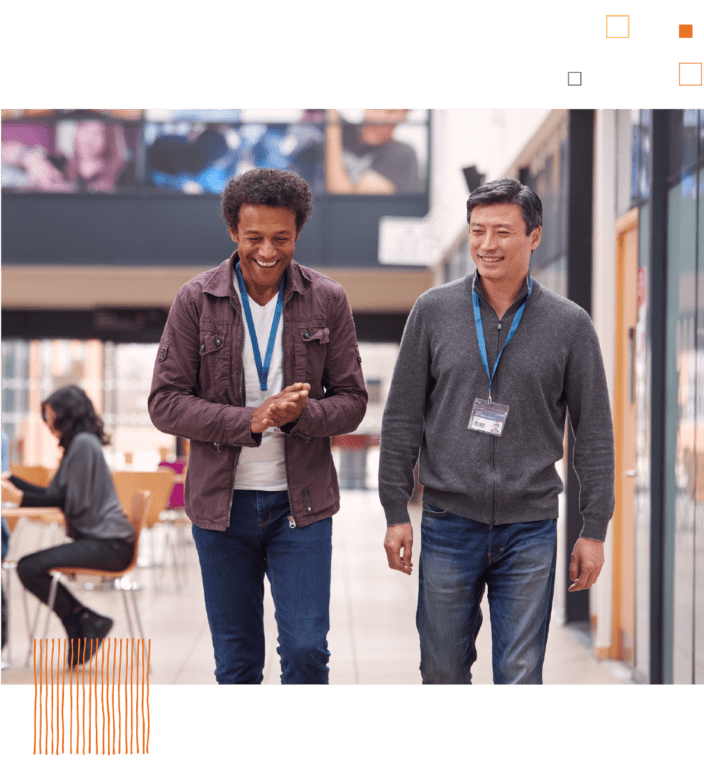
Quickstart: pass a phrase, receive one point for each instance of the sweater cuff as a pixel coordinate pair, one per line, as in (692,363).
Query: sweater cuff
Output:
(33,499)
(397,515)
(594,529)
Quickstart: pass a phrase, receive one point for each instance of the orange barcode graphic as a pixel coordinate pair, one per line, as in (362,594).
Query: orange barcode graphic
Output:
(95,723)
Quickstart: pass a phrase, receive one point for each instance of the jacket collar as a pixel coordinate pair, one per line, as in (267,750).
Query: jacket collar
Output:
(221,283)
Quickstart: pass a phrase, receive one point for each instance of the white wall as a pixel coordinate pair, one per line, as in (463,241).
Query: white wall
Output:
(488,139)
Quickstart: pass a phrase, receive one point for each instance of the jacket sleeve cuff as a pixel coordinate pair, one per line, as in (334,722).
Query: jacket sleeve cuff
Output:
(297,428)
(237,428)
(594,529)
(397,515)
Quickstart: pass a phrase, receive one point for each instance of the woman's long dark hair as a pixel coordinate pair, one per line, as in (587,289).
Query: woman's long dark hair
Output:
(74,413)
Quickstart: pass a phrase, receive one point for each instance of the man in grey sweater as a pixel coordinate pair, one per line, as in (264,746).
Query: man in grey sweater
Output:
(489,366)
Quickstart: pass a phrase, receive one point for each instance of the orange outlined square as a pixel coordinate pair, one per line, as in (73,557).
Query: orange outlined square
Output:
(681,64)
(618,26)
(626,16)
(686,30)
(690,73)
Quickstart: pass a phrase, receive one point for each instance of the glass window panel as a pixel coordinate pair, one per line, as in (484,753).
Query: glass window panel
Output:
(699,517)
(136,443)
(642,499)
(15,375)
(681,366)
(635,152)
(690,138)
(644,171)
(676,138)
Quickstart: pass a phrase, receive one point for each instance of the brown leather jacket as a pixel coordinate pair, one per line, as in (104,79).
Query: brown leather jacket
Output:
(198,389)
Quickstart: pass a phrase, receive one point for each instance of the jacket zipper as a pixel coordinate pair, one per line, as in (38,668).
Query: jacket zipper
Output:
(291,518)
(242,400)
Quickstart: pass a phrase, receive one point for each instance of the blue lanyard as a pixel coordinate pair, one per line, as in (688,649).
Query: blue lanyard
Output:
(262,370)
(480,332)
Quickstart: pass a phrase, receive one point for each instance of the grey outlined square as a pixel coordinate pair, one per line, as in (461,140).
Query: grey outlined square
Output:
(574,78)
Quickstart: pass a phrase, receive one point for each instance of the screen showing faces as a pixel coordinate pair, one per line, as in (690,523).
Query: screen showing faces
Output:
(192,151)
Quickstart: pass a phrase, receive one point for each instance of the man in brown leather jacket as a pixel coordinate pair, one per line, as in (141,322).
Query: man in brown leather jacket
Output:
(258,367)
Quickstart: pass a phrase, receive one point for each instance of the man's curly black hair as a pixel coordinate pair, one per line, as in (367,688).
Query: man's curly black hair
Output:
(267,186)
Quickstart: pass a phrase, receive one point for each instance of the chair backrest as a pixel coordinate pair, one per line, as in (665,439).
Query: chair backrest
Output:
(35,474)
(158,483)
(137,515)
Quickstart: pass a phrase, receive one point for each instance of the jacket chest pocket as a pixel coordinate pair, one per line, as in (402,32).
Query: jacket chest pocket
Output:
(311,353)
(215,365)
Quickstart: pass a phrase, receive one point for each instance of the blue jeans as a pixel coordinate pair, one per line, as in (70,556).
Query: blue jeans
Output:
(458,558)
(259,541)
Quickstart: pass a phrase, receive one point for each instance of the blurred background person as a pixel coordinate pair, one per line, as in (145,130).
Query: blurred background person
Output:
(366,158)
(99,161)
(199,157)
(103,537)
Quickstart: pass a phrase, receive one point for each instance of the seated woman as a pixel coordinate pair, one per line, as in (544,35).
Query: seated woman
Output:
(83,488)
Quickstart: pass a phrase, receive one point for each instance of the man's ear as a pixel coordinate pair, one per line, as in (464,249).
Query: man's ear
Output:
(233,234)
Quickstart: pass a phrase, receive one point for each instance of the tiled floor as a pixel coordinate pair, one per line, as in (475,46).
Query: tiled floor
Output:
(373,639)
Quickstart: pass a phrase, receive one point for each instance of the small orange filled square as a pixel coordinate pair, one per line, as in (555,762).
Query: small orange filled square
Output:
(686,30)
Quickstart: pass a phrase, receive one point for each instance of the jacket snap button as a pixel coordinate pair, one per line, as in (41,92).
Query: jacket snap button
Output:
(162,355)
(202,347)
(218,342)
(306,335)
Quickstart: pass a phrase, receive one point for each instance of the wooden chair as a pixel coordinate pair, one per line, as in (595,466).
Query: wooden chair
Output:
(137,515)
(159,485)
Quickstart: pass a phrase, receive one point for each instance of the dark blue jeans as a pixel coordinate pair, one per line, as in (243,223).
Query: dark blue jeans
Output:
(459,557)
(259,541)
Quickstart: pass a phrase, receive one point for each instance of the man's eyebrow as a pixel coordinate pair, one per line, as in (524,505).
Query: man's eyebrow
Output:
(491,224)
(254,231)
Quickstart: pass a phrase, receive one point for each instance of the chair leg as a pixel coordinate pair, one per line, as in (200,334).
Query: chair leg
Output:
(127,611)
(136,614)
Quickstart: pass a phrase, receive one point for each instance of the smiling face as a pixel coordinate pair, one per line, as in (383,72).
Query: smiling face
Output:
(266,239)
(498,243)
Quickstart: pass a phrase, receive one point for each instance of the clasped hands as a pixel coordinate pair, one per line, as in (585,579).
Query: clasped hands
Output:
(280,409)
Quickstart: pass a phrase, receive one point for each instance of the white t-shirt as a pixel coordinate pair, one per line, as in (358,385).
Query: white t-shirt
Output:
(262,468)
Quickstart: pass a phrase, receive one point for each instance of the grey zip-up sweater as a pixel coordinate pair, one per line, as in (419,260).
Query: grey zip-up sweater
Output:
(552,364)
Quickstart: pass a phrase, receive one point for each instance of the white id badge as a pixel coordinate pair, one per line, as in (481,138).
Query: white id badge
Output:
(488,417)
